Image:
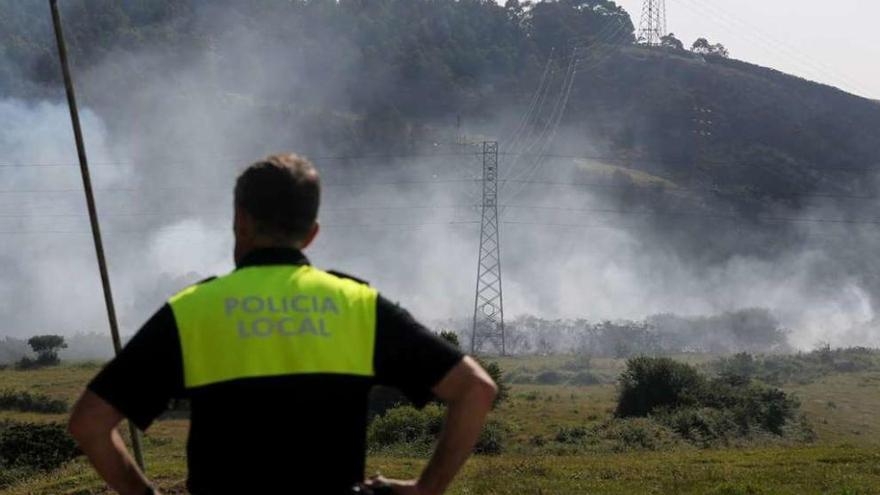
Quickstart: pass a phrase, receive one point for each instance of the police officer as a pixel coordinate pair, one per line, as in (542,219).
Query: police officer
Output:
(277,359)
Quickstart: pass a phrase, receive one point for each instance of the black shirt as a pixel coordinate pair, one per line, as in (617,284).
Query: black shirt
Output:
(287,434)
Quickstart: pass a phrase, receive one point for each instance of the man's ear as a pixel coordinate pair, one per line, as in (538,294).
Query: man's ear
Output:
(241,225)
(313,232)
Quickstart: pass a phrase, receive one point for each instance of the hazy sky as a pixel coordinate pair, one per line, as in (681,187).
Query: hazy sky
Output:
(833,42)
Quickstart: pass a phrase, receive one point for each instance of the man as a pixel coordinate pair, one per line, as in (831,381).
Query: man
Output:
(277,359)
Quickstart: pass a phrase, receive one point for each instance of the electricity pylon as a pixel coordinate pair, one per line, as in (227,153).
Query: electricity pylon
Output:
(488,326)
(652,27)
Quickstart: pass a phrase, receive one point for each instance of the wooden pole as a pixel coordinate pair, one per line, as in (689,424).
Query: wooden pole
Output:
(90,202)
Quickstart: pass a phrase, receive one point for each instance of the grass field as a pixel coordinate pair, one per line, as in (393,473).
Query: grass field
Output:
(843,460)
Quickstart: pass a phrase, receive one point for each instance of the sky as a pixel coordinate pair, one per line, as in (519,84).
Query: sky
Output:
(829,42)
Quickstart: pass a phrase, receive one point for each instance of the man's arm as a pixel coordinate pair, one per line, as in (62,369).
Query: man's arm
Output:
(137,384)
(468,392)
(93,425)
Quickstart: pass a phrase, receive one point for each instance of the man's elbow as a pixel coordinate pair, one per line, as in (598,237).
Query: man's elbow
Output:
(78,427)
(484,389)
(91,418)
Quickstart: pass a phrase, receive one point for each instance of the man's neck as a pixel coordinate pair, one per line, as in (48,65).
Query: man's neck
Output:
(243,251)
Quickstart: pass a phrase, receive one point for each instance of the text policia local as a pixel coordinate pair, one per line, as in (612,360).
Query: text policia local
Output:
(286,316)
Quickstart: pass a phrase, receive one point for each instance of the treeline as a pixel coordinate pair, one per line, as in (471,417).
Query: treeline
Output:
(392,54)
(748,330)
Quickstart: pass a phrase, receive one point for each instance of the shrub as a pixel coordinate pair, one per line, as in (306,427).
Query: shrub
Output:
(41,361)
(584,378)
(739,368)
(11,400)
(491,439)
(648,384)
(571,435)
(700,410)
(703,426)
(451,337)
(580,362)
(638,434)
(31,446)
(405,424)
(752,405)
(519,377)
(497,374)
(408,425)
(549,378)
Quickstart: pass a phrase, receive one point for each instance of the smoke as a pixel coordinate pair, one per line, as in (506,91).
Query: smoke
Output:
(168,131)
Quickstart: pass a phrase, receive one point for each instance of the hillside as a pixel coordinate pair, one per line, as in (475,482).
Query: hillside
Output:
(706,159)
(402,68)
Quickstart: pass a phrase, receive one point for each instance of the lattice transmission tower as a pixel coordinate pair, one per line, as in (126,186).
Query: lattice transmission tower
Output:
(488,329)
(652,27)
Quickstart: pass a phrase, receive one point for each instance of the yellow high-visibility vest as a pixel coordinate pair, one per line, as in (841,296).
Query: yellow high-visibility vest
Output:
(275,320)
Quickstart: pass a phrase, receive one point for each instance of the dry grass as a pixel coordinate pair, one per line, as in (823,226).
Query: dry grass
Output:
(845,459)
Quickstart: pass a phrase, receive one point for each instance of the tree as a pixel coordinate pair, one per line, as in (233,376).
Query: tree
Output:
(671,42)
(46,347)
(703,47)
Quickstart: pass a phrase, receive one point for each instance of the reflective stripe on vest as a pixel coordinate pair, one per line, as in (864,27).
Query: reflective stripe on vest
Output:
(263,321)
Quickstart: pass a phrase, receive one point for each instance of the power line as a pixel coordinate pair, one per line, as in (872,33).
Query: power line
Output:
(664,187)
(229,188)
(239,161)
(727,20)
(654,161)
(772,219)
(394,226)
(228,213)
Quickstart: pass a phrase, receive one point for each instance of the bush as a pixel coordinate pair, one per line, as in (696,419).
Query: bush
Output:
(703,426)
(549,378)
(519,377)
(451,337)
(580,362)
(571,435)
(497,374)
(11,400)
(648,384)
(801,368)
(40,447)
(43,360)
(638,434)
(491,439)
(700,410)
(407,425)
(584,378)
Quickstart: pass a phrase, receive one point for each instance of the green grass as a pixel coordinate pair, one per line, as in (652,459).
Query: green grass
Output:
(841,407)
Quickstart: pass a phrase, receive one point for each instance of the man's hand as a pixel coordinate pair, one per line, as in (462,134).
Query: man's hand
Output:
(398,487)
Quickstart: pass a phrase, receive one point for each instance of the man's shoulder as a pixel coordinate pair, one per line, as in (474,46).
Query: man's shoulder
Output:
(188,290)
(343,275)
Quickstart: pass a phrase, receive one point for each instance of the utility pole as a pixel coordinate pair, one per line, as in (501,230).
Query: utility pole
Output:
(90,202)
(488,325)
(652,27)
